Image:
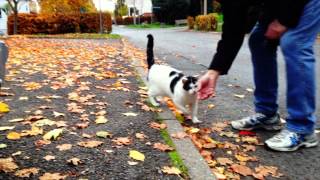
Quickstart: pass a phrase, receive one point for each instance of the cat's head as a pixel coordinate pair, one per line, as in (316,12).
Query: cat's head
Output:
(190,84)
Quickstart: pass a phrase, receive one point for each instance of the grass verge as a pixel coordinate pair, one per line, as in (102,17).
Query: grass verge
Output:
(153,25)
(74,36)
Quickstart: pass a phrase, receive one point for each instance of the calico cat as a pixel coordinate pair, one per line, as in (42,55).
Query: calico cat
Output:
(167,81)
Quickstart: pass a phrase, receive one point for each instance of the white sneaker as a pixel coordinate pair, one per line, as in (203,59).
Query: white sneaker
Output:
(290,141)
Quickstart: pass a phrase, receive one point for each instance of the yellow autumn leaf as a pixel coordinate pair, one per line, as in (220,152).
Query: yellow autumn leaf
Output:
(136,155)
(104,134)
(53,134)
(4,108)
(13,136)
(101,120)
(171,170)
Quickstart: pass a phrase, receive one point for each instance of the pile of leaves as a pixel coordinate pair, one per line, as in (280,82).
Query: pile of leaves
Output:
(73,108)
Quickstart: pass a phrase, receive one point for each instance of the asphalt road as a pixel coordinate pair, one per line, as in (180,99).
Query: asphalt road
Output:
(199,47)
(192,52)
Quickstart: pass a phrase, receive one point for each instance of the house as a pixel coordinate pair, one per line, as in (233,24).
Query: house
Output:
(141,6)
(24,6)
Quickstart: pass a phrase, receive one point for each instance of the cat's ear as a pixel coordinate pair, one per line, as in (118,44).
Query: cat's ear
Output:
(184,80)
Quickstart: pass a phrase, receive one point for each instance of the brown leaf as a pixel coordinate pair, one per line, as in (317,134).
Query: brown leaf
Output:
(224,161)
(75,161)
(264,171)
(26,172)
(40,143)
(122,141)
(7,165)
(52,176)
(82,125)
(162,147)
(140,136)
(171,170)
(90,144)
(179,135)
(49,157)
(158,126)
(241,169)
(64,147)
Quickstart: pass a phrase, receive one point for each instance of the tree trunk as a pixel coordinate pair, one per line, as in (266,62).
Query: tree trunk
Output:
(15,24)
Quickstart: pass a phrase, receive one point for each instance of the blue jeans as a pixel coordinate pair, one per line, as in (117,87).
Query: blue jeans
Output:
(297,47)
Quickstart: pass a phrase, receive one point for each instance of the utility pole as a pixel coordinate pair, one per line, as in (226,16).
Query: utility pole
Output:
(205,7)
(134,12)
(100,18)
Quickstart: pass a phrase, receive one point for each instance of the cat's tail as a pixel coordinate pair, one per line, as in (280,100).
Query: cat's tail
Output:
(150,57)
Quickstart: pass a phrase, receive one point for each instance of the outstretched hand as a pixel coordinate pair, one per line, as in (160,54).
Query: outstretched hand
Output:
(207,84)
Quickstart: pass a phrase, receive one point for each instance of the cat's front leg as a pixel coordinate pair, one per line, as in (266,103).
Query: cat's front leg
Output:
(181,107)
(194,111)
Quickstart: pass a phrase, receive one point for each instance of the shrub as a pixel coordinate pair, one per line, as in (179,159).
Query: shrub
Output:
(59,23)
(119,20)
(206,22)
(190,20)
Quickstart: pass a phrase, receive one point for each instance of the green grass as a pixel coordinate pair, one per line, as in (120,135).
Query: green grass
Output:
(76,36)
(153,25)
(174,156)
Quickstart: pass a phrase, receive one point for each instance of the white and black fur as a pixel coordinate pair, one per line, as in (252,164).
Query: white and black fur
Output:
(167,81)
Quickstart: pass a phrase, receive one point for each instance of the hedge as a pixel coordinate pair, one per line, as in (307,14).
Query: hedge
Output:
(204,22)
(129,20)
(59,23)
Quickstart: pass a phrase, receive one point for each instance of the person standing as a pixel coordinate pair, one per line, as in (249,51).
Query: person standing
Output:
(294,26)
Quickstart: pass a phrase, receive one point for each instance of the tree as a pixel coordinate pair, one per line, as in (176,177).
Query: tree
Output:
(67,6)
(14,7)
(170,10)
(121,8)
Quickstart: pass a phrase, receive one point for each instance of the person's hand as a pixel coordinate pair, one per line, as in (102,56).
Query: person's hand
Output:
(275,30)
(207,84)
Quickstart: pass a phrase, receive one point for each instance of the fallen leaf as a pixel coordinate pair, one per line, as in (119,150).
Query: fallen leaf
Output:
(130,114)
(33,132)
(250,139)
(248,147)
(44,122)
(16,120)
(86,135)
(104,134)
(90,144)
(132,163)
(241,96)
(7,165)
(39,143)
(136,155)
(171,170)
(162,147)
(101,120)
(53,134)
(24,98)
(241,169)
(82,125)
(4,108)
(52,176)
(16,153)
(211,106)
(13,136)
(224,161)
(140,136)
(263,171)
(26,172)
(49,157)
(122,141)
(57,114)
(179,135)
(75,161)
(4,128)
(249,90)
(64,147)
(2,146)
(158,126)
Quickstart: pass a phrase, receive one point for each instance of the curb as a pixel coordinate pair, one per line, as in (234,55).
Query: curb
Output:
(198,169)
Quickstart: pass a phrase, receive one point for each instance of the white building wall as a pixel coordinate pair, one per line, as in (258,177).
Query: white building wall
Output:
(144,6)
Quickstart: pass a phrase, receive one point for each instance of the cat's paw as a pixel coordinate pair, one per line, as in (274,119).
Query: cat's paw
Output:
(195,120)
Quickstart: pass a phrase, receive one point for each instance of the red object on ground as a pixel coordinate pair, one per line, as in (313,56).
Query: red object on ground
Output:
(246,133)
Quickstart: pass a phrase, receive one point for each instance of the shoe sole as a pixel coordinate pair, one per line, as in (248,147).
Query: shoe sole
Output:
(304,144)
(264,126)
